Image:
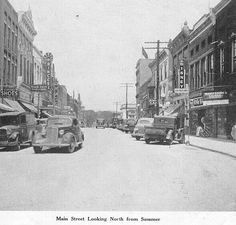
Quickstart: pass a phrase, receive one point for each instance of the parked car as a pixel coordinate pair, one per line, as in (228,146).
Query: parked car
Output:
(61,132)
(138,132)
(41,125)
(100,123)
(164,128)
(128,125)
(16,129)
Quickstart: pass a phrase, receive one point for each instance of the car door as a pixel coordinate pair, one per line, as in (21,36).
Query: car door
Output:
(23,127)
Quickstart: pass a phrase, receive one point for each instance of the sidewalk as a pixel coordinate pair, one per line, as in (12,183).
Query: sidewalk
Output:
(221,146)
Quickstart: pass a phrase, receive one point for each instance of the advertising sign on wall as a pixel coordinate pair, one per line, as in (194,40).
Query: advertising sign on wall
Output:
(9,91)
(215,98)
(49,58)
(181,75)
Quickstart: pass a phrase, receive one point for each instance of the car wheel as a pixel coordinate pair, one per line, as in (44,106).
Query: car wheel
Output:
(72,146)
(37,149)
(137,138)
(147,141)
(169,141)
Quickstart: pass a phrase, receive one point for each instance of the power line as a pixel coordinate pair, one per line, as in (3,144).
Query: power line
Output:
(127,85)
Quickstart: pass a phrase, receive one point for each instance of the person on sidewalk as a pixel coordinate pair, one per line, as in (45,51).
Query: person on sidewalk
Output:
(233,131)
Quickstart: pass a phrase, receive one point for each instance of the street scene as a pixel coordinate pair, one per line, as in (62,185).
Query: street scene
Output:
(111,106)
(133,175)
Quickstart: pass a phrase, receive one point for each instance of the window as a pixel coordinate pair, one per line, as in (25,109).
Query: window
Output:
(222,61)
(4,70)
(5,34)
(203,72)
(209,39)
(197,78)
(9,38)
(8,71)
(165,70)
(234,55)
(197,48)
(210,69)
(192,77)
(192,52)
(203,44)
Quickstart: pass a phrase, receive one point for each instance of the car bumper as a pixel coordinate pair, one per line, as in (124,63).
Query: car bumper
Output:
(4,144)
(137,135)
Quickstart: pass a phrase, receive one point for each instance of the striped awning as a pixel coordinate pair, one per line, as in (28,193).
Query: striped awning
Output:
(4,107)
(14,104)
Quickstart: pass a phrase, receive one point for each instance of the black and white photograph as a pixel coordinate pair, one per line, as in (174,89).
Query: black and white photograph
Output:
(118,111)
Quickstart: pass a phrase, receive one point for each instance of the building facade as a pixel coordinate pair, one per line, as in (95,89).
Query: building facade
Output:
(27,33)
(143,74)
(212,72)
(8,48)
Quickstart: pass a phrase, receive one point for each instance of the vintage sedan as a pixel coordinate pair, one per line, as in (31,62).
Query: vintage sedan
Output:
(16,129)
(62,132)
(138,132)
(164,128)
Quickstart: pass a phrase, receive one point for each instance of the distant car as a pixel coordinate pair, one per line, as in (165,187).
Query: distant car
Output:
(138,132)
(128,126)
(16,129)
(62,132)
(100,123)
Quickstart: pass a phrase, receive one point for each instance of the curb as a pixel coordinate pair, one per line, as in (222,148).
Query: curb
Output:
(212,150)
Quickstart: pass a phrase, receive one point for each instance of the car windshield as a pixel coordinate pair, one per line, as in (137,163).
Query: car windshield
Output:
(59,121)
(145,122)
(8,120)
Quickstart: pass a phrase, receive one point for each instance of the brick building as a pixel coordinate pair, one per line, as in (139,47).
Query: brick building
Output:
(212,70)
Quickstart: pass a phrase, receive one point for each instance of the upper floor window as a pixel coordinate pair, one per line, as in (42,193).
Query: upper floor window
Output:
(222,61)
(209,39)
(203,44)
(192,52)
(234,55)
(197,48)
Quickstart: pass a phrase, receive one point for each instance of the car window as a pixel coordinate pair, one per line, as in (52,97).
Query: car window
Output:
(59,121)
(145,122)
(8,120)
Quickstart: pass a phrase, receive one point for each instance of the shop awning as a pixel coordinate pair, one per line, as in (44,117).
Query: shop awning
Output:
(172,109)
(14,104)
(31,108)
(46,114)
(4,107)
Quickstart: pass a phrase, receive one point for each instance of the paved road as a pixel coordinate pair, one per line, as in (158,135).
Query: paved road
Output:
(115,172)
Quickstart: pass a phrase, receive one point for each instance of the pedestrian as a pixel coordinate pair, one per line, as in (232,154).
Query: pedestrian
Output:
(233,131)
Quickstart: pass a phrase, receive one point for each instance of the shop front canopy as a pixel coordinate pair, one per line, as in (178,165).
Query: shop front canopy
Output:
(6,108)
(29,107)
(14,105)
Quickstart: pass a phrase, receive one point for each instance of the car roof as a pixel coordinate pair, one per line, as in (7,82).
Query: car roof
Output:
(169,117)
(11,114)
(146,118)
(62,116)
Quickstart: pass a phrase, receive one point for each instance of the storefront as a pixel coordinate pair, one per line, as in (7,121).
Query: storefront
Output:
(213,113)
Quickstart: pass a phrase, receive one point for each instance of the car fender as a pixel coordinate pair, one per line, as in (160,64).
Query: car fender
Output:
(14,134)
(67,137)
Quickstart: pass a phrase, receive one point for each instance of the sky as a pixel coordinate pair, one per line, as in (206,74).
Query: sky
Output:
(97,50)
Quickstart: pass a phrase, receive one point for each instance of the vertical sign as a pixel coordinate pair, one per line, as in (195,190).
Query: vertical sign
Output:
(181,75)
(56,92)
(48,57)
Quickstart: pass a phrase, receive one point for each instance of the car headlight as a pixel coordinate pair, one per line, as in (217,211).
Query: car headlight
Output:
(61,132)
(9,131)
(13,136)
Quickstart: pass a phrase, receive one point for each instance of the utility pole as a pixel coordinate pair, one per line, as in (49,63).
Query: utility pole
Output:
(158,42)
(126,85)
(116,108)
